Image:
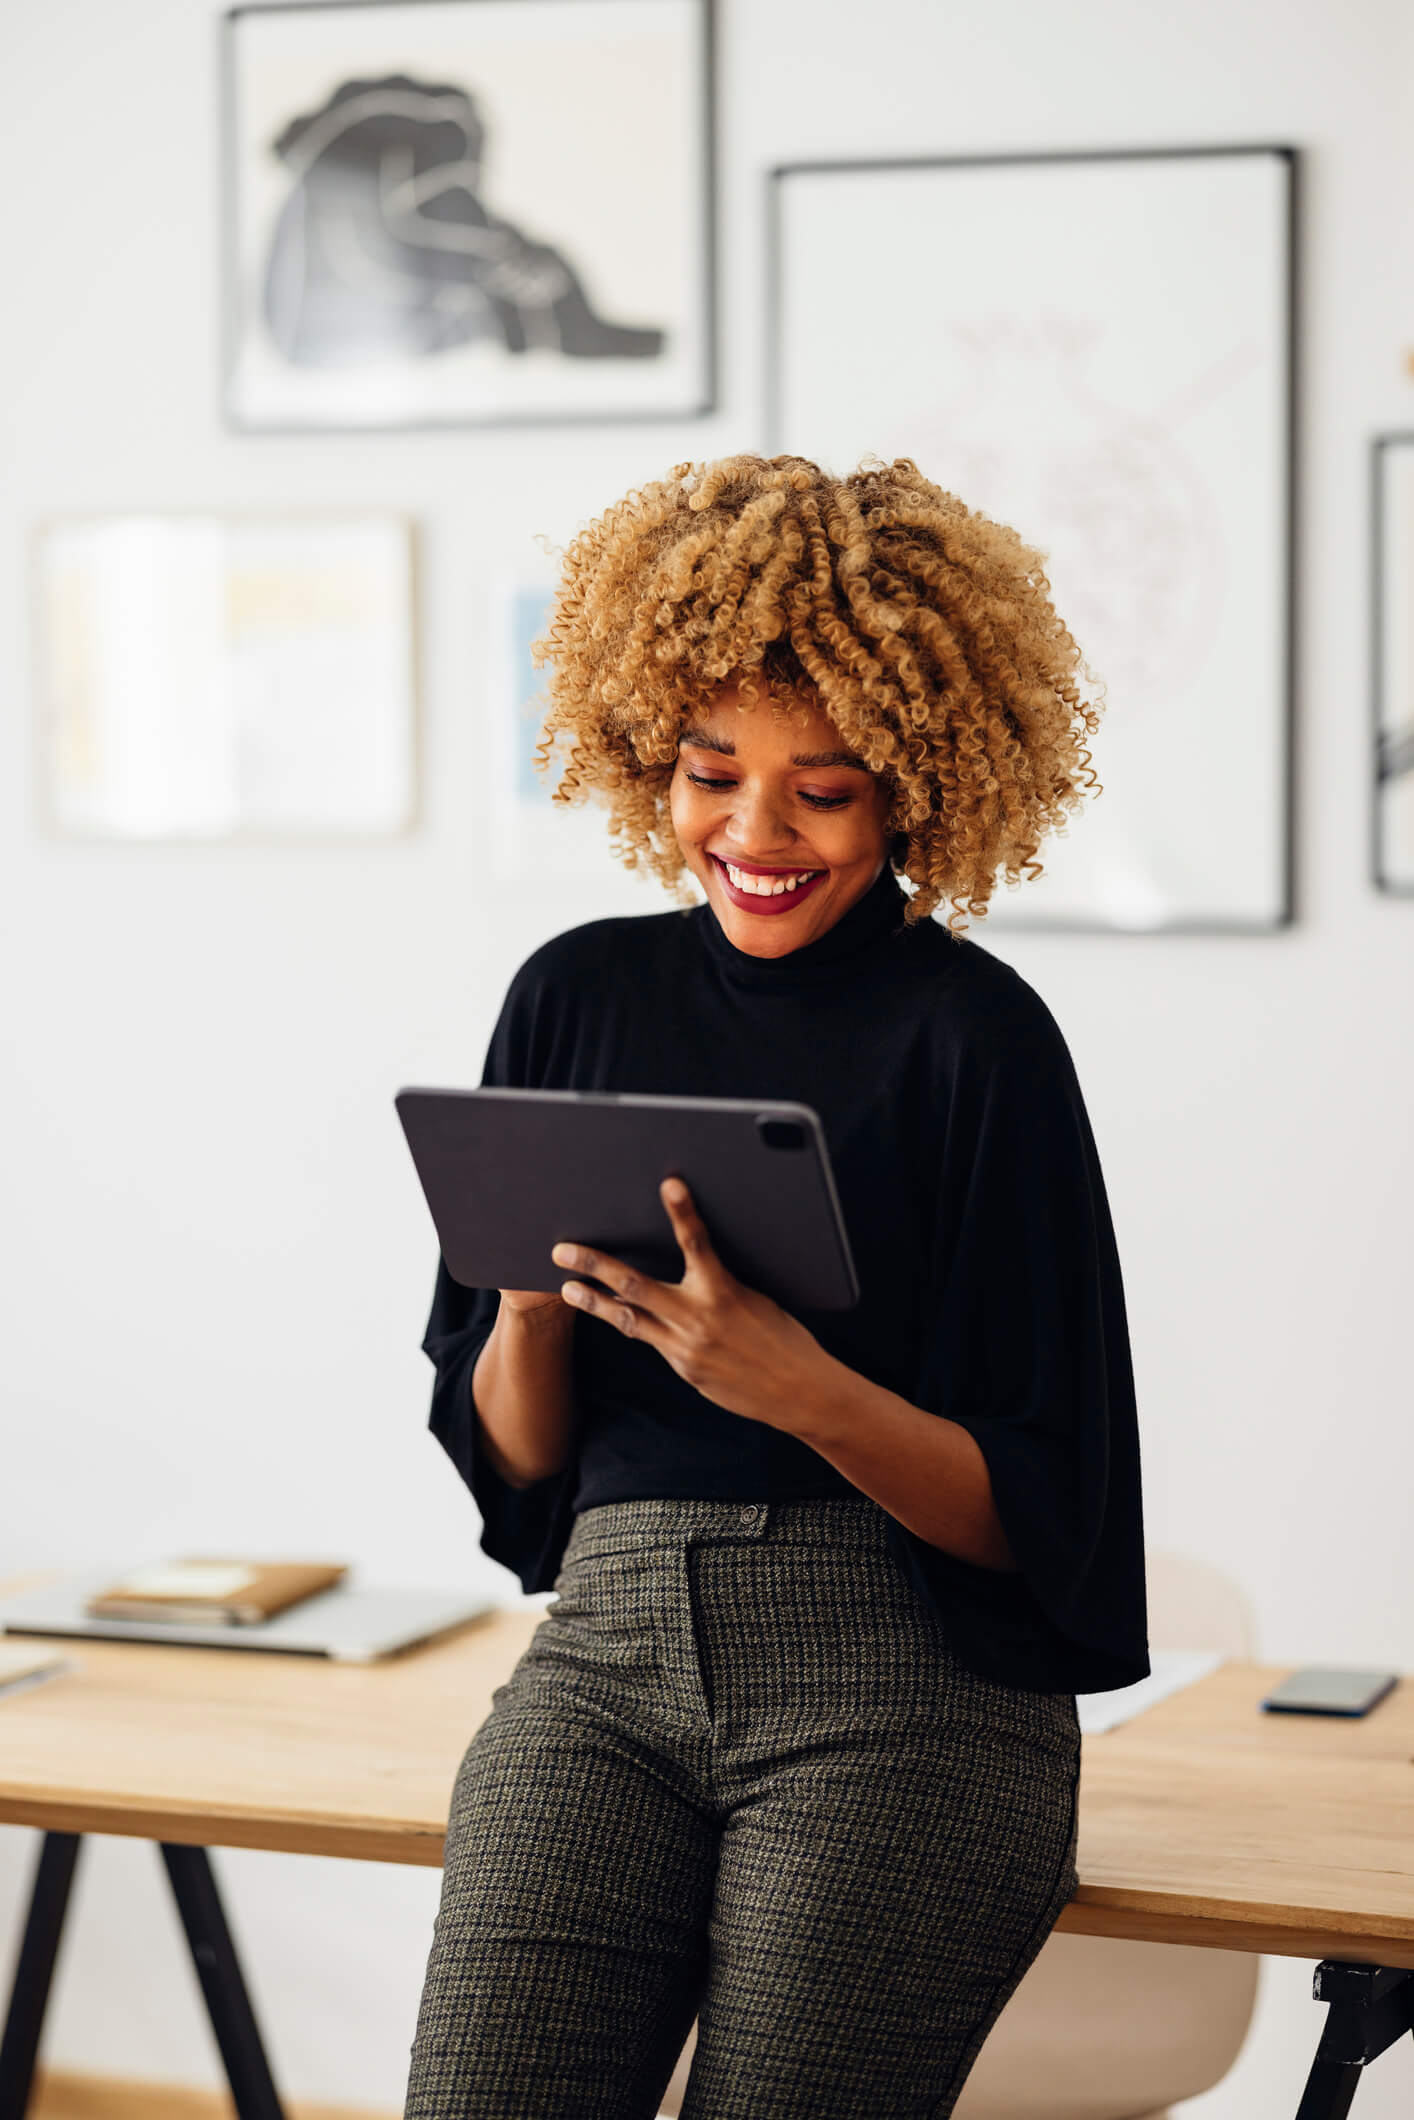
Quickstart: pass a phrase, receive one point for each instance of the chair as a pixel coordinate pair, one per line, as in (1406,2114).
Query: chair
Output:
(1102,2029)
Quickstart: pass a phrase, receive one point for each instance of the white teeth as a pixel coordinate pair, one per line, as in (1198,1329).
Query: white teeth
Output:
(767,886)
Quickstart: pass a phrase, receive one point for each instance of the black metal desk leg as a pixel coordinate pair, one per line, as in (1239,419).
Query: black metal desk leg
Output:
(44,1925)
(1370,2007)
(232,2018)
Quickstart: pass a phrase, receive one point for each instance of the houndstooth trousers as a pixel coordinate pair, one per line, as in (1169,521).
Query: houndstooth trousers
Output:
(739,1774)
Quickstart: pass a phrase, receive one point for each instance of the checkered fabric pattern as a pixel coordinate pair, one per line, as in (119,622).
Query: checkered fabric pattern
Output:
(739,1773)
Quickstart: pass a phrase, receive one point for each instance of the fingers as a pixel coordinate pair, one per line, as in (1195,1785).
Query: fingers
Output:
(688,1226)
(634,1323)
(637,1305)
(623,1280)
(635,1298)
(622,1316)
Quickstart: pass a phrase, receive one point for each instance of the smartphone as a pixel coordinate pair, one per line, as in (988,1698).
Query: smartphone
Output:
(1338,1691)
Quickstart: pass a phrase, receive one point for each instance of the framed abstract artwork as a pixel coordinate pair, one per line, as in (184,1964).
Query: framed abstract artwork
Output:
(1392,787)
(1098,350)
(214,677)
(449,212)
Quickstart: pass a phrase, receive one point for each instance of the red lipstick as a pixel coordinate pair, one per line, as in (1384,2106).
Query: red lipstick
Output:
(752,901)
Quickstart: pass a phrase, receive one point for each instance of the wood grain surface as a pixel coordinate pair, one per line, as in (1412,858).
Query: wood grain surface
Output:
(1204,1821)
(61,2095)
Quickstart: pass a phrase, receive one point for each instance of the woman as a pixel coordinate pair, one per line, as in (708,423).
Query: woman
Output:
(795,1750)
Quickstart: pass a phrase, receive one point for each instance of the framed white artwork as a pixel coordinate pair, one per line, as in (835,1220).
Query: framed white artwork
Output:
(1096,349)
(1393,578)
(227,677)
(450,212)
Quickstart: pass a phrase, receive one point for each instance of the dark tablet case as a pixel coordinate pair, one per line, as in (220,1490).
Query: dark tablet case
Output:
(508,1173)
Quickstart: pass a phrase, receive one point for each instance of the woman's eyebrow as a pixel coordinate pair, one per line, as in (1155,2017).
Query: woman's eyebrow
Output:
(816,759)
(813,761)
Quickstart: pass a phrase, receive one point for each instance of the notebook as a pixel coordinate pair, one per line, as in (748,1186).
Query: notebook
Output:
(214,1592)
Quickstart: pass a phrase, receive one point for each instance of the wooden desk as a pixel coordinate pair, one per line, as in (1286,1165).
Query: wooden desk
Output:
(1202,1822)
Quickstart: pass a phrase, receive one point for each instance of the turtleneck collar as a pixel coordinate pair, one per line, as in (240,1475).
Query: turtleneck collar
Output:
(842,951)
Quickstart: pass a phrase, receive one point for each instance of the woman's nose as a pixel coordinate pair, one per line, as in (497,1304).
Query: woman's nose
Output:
(759,823)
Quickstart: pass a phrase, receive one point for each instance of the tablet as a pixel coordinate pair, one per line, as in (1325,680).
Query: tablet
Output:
(509,1173)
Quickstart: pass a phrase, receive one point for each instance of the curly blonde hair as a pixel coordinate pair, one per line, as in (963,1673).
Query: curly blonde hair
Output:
(924,629)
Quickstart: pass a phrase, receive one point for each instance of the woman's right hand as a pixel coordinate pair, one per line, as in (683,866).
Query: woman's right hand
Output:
(523,1299)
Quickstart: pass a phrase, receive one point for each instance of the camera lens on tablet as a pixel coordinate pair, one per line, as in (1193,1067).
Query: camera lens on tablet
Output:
(782,1133)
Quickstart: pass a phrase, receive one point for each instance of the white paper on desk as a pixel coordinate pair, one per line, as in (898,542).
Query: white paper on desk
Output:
(1171,1670)
(28,1664)
(185,1579)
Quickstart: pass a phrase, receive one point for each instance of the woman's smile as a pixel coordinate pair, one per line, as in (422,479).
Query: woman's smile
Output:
(779,821)
(758,890)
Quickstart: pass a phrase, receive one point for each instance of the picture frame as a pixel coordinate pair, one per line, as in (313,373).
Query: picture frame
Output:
(439,213)
(227,677)
(532,836)
(1392,664)
(1037,373)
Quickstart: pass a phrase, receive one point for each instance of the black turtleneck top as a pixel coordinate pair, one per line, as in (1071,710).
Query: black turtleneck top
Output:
(977,1216)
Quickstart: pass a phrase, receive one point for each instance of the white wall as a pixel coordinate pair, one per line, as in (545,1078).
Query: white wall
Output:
(217,1263)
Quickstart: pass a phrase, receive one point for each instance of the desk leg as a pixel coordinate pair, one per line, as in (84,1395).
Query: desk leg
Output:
(1370,2007)
(44,1925)
(232,2018)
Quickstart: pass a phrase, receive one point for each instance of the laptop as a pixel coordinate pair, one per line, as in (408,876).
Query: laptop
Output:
(349,1625)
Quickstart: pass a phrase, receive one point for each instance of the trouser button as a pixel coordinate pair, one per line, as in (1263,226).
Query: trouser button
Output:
(751,1515)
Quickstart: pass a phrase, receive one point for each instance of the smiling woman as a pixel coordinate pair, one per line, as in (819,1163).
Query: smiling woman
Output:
(774,819)
(920,632)
(796,1746)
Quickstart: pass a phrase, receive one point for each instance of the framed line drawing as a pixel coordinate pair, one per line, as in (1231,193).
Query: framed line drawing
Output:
(1392,579)
(468,212)
(1098,349)
(227,677)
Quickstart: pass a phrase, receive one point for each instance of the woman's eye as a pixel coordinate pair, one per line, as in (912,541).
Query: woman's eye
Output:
(816,802)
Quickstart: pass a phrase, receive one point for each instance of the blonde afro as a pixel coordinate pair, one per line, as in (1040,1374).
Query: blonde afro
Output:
(924,629)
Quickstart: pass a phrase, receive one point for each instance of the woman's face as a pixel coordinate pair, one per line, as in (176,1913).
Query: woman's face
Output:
(759,802)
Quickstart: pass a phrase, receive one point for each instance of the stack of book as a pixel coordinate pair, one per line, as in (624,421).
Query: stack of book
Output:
(214,1592)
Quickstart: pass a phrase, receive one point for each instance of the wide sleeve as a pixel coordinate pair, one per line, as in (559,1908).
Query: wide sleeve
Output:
(1026,1346)
(525,1528)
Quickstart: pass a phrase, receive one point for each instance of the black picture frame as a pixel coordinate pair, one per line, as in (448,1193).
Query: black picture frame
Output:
(1391,742)
(697,401)
(1287,157)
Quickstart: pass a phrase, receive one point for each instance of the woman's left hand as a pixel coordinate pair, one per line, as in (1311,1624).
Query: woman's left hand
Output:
(729,1342)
